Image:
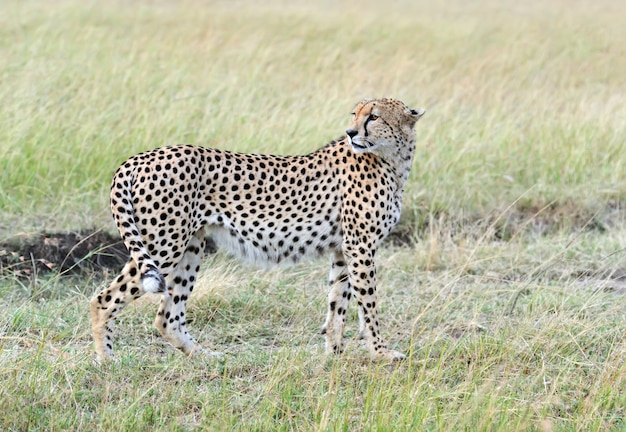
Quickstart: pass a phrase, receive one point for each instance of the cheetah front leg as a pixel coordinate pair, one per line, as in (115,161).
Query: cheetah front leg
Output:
(362,276)
(338,301)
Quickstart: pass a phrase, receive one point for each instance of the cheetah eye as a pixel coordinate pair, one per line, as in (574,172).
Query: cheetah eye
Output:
(373,117)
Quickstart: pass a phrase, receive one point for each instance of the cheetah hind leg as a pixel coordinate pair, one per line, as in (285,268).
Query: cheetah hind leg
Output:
(107,304)
(171,317)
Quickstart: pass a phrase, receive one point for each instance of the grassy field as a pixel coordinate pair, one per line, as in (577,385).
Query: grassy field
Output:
(512,304)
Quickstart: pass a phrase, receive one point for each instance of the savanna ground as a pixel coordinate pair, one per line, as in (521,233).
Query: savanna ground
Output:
(505,283)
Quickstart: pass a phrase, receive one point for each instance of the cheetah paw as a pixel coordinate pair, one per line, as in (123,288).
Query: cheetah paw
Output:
(199,351)
(99,360)
(392,355)
(217,355)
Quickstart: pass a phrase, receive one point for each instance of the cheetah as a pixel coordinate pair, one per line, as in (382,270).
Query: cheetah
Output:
(341,200)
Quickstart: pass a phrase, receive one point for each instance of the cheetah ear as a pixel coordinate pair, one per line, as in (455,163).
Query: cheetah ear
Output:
(414,115)
(417,113)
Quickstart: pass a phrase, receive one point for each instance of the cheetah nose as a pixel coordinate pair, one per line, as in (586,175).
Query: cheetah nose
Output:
(351,133)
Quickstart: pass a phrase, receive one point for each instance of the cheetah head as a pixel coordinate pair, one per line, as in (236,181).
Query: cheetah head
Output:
(383,127)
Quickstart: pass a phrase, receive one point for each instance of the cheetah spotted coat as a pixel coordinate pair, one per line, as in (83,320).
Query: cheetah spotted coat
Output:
(342,200)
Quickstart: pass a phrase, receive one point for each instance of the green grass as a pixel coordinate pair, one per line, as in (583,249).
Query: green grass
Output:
(517,196)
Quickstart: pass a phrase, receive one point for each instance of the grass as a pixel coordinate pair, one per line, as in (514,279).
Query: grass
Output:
(502,337)
(506,306)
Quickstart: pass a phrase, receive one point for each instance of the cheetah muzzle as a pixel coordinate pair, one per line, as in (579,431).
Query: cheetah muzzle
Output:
(341,200)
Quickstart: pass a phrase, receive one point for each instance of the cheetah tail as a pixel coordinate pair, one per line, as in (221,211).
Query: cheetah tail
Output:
(121,205)
(153,281)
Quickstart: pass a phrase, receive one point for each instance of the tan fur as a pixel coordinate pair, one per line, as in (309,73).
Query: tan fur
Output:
(341,200)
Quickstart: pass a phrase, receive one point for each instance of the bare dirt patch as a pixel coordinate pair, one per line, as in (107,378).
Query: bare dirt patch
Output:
(66,253)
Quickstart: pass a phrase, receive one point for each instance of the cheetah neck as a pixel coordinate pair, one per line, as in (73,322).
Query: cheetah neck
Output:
(400,162)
